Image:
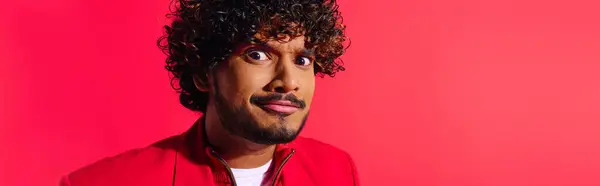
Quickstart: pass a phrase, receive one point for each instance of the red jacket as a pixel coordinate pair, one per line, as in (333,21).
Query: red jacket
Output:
(173,162)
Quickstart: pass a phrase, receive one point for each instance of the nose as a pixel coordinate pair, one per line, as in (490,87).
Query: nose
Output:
(286,78)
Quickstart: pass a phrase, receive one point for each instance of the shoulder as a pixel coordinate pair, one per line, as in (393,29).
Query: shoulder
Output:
(321,158)
(316,152)
(318,148)
(130,167)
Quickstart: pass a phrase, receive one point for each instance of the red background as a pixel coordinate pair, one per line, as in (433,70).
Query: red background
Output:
(437,93)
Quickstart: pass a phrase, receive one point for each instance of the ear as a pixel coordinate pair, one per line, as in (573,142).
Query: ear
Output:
(201,82)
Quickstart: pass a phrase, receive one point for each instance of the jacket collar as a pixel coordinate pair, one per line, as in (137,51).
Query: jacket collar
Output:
(200,151)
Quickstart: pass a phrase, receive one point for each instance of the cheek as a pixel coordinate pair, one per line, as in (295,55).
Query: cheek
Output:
(229,87)
(244,81)
(308,88)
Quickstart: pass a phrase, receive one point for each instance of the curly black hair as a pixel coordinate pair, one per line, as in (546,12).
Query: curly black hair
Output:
(205,32)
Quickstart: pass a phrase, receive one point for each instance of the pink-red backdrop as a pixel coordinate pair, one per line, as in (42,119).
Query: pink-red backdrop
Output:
(437,93)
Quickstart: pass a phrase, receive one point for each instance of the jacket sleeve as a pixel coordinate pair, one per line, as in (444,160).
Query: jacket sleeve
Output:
(64,181)
(354,171)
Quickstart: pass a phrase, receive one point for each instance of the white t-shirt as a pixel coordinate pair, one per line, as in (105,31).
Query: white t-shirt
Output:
(250,177)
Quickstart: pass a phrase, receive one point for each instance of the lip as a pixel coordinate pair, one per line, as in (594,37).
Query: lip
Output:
(280,107)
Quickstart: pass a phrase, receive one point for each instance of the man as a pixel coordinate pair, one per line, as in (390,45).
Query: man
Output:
(249,66)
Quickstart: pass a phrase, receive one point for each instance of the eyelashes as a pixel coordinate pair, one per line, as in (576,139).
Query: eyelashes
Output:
(257,55)
(303,61)
(260,56)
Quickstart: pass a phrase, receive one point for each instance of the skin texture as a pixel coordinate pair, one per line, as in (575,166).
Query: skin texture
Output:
(204,34)
(277,70)
(211,67)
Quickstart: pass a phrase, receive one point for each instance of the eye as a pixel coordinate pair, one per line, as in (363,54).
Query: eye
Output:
(257,55)
(304,61)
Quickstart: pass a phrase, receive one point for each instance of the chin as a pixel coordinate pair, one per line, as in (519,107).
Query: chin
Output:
(269,128)
(270,120)
(276,135)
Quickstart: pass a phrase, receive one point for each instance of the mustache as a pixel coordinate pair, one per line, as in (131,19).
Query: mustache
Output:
(278,96)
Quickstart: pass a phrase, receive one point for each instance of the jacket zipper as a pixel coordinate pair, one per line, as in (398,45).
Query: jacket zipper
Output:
(233,178)
(281,167)
(226,166)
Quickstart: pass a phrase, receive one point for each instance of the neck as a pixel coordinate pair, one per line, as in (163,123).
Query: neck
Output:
(237,151)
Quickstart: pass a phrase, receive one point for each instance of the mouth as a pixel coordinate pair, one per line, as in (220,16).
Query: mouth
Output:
(280,107)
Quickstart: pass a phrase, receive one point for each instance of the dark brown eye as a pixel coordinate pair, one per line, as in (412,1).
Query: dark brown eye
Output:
(257,55)
(304,61)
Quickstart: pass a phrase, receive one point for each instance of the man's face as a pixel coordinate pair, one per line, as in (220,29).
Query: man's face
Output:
(263,92)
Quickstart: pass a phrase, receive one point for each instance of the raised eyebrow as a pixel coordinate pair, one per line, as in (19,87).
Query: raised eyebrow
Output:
(307,52)
(267,47)
(303,51)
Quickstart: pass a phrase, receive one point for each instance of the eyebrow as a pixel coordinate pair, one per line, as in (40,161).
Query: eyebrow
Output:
(308,52)
(303,51)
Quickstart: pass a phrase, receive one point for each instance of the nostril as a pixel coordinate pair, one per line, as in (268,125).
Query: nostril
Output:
(280,90)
